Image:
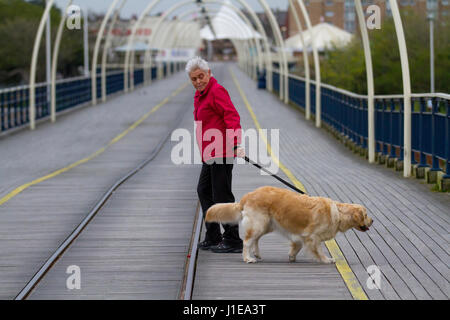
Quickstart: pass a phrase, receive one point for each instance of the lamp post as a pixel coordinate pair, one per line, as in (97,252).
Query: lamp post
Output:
(86,43)
(431,14)
(48,56)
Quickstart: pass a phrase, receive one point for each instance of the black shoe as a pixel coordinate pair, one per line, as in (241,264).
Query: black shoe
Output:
(225,247)
(207,244)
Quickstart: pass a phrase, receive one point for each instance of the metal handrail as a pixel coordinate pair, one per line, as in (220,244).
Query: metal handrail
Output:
(362,96)
(59,81)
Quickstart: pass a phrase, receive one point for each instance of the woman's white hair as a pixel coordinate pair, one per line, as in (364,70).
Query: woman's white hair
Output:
(197,63)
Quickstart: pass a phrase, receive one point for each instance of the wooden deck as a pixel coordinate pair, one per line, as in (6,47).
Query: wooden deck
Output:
(409,238)
(136,246)
(37,220)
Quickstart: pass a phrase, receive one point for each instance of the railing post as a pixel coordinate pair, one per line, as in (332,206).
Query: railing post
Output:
(364,123)
(400,127)
(423,158)
(27,103)
(348,114)
(413,154)
(16,108)
(354,120)
(392,155)
(447,141)
(356,124)
(2,112)
(385,134)
(8,112)
(377,143)
(432,173)
(435,162)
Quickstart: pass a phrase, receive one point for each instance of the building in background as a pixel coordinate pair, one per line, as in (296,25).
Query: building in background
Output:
(187,39)
(341,13)
(282,20)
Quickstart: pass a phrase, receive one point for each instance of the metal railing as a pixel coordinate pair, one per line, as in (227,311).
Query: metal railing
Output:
(71,92)
(346,112)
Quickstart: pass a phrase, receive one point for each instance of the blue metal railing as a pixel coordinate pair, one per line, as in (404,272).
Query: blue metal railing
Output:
(14,102)
(347,113)
(276,81)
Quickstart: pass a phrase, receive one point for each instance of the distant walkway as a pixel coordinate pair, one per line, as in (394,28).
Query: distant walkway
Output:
(408,240)
(38,219)
(136,247)
(27,155)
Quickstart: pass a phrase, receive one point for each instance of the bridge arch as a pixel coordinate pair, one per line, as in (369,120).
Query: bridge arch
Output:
(156,29)
(284,89)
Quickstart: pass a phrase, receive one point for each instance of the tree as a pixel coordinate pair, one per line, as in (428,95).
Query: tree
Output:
(19,21)
(345,67)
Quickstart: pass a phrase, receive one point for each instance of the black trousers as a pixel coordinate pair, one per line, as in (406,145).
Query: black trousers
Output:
(214,186)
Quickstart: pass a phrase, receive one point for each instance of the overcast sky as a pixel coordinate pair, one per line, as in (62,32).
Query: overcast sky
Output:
(136,6)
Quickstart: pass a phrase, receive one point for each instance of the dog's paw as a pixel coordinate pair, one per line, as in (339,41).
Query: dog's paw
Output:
(250,260)
(292,258)
(257,256)
(329,260)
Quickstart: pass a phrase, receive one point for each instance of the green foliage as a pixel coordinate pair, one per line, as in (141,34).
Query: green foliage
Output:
(19,21)
(345,67)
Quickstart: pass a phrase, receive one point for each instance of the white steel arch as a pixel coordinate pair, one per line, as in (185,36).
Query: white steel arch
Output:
(242,16)
(269,13)
(161,19)
(106,47)
(175,42)
(305,62)
(277,34)
(406,88)
(316,64)
(274,26)
(147,9)
(247,21)
(370,82)
(55,62)
(284,76)
(37,41)
(152,35)
(259,27)
(261,30)
(251,39)
(244,43)
(96,49)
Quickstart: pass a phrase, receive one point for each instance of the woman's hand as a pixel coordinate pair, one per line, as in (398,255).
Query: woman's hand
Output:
(240,152)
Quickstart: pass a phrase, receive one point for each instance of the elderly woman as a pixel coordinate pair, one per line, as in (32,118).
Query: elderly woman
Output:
(218,132)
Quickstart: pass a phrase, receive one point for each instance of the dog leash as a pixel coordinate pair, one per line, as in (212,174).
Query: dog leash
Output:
(274,175)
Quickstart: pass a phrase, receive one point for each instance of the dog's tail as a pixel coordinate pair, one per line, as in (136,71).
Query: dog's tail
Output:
(224,213)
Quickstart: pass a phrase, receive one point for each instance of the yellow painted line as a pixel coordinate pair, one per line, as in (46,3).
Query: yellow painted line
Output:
(342,266)
(18,190)
(297,183)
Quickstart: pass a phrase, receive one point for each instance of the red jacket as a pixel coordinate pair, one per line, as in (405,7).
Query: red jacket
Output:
(216,117)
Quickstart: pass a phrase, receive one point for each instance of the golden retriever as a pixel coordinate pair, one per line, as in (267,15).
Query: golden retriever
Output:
(304,220)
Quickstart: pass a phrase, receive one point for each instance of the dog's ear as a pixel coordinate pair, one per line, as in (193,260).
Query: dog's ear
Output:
(358,214)
(344,208)
(355,211)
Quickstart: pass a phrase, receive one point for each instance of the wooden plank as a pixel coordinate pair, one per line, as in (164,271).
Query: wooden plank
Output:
(407,237)
(43,215)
